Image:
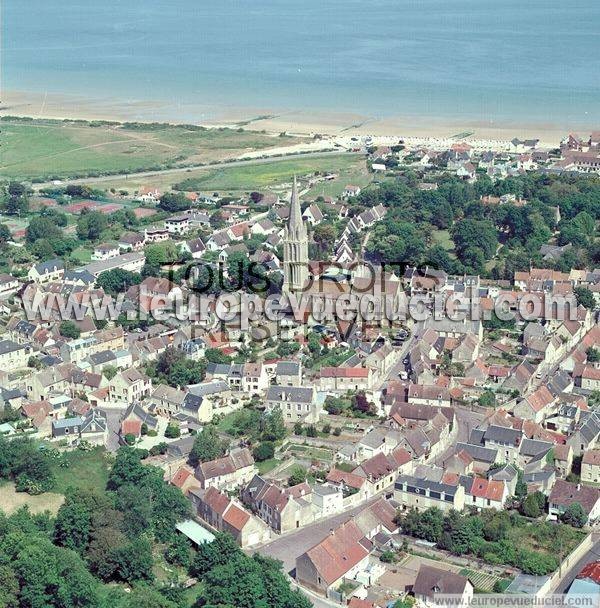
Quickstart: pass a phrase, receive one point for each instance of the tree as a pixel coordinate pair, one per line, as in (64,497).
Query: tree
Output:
(69,329)
(325,235)
(207,446)
(298,476)
(134,561)
(172,431)
(471,234)
(593,354)
(91,225)
(174,201)
(42,228)
(264,451)
(574,515)
(585,297)
(487,399)
(117,280)
(274,427)
(72,526)
(531,506)
(109,371)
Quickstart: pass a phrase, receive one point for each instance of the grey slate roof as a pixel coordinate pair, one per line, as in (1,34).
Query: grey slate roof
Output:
(295,394)
(502,434)
(478,452)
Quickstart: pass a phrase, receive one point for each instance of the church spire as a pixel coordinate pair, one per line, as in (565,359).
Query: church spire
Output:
(295,220)
(295,247)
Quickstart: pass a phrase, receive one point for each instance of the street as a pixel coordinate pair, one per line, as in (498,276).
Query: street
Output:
(289,546)
(592,555)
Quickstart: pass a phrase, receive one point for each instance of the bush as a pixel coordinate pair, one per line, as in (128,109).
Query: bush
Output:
(264,451)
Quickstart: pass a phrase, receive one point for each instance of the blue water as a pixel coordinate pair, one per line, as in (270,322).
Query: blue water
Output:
(492,60)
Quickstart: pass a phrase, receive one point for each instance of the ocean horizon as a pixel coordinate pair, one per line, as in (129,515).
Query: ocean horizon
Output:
(535,62)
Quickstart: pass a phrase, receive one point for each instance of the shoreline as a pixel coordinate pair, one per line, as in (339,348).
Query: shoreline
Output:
(294,122)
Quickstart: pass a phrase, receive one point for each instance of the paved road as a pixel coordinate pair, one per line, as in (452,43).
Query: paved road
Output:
(592,555)
(288,547)
(176,170)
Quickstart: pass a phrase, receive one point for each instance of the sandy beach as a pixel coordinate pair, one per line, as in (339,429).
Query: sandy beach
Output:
(298,122)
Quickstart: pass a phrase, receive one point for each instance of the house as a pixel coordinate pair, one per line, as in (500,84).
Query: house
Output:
(288,373)
(132,241)
(586,434)
(590,467)
(536,406)
(8,284)
(381,470)
(351,484)
(227,473)
(283,509)
(133,261)
(565,493)
(486,493)
(431,582)
(590,378)
(177,225)
(313,215)
(134,419)
(13,356)
(297,404)
(344,379)
(587,583)
(341,555)
(168,400)
(94,427)
(263,227)
(429,487)
(129,386)
(423,394)
(351,190)
(105,251)
(327,499)
(67,428)
(47,272)
(227,515)
(195,247)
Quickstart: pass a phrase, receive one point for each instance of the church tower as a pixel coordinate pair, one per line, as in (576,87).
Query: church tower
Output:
(295,248)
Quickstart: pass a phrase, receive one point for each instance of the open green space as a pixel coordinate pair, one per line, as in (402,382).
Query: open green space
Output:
(51,149)
(80,469)
(264,174)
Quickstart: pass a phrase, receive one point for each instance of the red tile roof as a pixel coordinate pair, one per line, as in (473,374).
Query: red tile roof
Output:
(592,571)
(339,552)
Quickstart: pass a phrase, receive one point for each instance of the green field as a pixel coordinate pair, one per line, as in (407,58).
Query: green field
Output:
(262,175)
(60,149)
(86,470)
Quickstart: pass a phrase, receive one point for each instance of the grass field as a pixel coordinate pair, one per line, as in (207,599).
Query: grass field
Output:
(11,500)
(85,470)
(57,149)
(262,175)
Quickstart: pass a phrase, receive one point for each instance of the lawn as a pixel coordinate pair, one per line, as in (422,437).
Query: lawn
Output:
(310,452)
(262,175)
(443,238)
(61,149)
(267,465)
(11,500)
(86,470)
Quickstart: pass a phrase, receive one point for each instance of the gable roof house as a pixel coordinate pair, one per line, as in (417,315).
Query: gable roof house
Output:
(565,493)
(431,582)
(227,515)
(129,386)
(297,404)
(342,554)
(229,472)
(46,272)
(283,509)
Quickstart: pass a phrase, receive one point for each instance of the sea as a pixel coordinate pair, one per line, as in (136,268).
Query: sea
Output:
(482,60)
